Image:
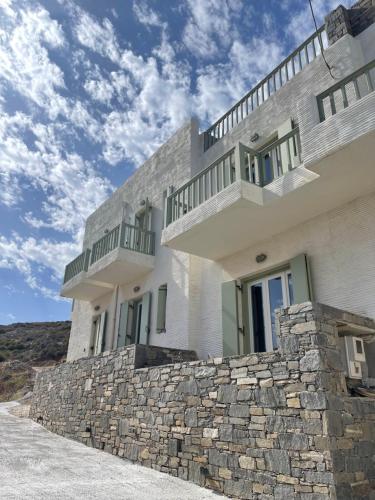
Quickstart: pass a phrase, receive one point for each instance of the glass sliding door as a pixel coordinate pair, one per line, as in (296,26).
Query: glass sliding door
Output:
(265,296)
(259,334)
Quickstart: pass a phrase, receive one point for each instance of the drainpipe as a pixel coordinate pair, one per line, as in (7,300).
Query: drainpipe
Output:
(114,344)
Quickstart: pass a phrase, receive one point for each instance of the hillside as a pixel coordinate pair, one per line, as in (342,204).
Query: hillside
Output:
(27,345)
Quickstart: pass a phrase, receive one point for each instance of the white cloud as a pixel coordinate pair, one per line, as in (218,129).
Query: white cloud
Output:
(146,15)
(161,104)
(10,192)
(99,90)
(24,60)
(6,6)
(210,26)
(100,38)
(31,257)
(72,189)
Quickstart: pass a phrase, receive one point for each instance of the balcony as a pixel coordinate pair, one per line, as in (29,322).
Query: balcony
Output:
(248,196)
(242,198)
(121,256)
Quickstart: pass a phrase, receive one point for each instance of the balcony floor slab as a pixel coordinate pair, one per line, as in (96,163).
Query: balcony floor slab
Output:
(82,288)
(121,266)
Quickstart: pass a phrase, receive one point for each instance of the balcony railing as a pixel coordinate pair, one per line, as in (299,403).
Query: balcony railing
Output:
(105,245)
(136,239)
(347,91)
(200,188)
(79,264)
(284,72)
(124,235)
(257,167)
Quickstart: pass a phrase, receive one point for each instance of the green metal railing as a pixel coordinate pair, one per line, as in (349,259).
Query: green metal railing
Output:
(347,91)
(124,235)
(79,264)
(284,72)
(137,239)
(201,187)
(106,244)
(258,167)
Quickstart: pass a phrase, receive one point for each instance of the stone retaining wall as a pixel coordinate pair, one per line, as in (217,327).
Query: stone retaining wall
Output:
(267,425)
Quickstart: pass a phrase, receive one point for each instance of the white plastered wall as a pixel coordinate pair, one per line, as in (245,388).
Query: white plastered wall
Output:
(170,165)
(340,244)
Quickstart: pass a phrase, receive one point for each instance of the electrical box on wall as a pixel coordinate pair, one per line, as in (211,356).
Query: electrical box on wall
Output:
(355,356)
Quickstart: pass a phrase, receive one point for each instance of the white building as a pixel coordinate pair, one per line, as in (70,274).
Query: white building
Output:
(274,204)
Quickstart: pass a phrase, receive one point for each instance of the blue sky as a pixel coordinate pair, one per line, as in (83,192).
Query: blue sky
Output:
(89,89)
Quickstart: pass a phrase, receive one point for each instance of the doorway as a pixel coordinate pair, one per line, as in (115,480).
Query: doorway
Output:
(134,323)
(266,295)
(98,333)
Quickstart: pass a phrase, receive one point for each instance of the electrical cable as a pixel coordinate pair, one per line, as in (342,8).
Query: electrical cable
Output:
(320,42)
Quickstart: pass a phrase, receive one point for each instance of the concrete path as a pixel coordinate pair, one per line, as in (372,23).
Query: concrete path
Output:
(37,464)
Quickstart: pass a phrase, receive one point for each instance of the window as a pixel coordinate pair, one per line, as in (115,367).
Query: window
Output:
(134,321)
(162,309)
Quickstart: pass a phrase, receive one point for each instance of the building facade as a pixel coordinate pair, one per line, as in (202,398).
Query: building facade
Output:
(273,205)
(222,323)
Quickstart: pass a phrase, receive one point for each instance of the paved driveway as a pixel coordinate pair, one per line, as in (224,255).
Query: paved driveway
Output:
(36,464)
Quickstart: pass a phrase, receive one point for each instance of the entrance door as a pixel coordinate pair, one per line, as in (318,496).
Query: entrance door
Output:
(266,295)
(134,322)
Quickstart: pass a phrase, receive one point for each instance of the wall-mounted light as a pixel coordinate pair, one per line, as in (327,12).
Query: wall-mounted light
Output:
(261,257)
(136,289)
(254,137)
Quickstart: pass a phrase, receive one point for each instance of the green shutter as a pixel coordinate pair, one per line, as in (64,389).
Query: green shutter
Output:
(229,318)
(122,325)
(284,149)
(162,309)
(301,279)
(145,319)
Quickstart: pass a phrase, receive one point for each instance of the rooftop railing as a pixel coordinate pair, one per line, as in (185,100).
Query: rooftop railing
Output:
(284,72)
(257,167)
(124,235)
(347,91)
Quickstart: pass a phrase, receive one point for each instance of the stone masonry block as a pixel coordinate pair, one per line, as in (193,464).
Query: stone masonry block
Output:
(277,461)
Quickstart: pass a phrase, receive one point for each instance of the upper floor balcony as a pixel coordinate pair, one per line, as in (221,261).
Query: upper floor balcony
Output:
(122,255)
(249,195)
